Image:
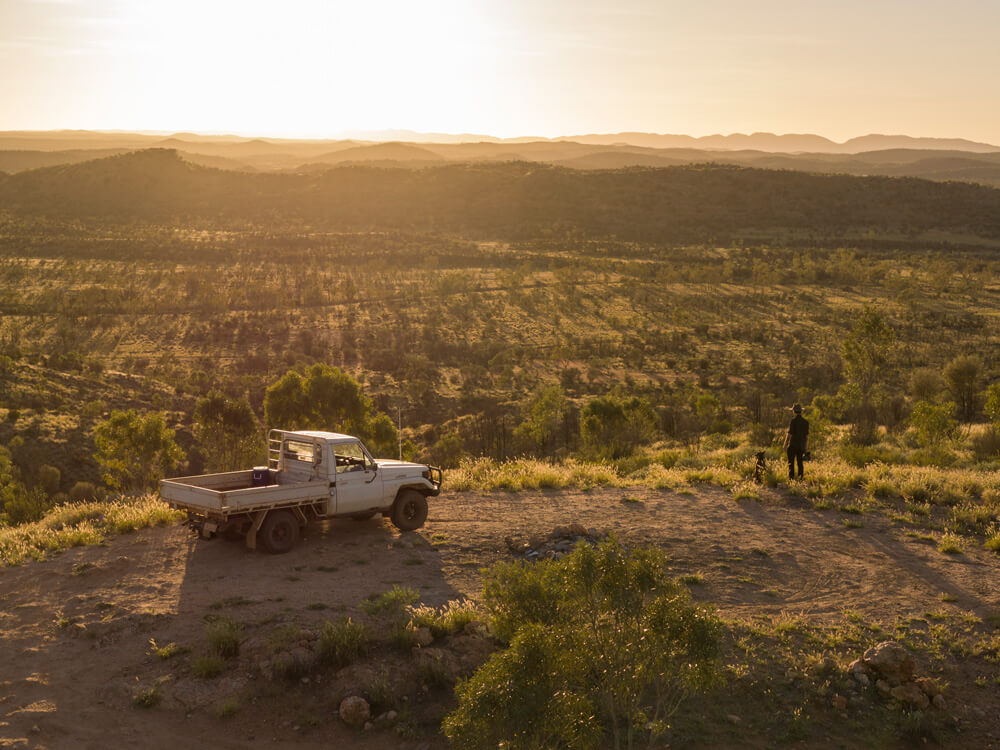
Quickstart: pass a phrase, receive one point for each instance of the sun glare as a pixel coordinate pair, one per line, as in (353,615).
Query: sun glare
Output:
(315,68)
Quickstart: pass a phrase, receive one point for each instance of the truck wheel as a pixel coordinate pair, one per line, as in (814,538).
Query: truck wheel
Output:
(409,511)
(365,515)
(279,532)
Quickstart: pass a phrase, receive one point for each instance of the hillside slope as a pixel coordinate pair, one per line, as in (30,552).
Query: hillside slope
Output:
(511,200)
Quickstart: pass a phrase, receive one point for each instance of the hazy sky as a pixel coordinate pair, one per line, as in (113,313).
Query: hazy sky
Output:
(504,67)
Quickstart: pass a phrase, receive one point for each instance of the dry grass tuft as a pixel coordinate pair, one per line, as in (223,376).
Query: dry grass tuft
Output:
(80,524)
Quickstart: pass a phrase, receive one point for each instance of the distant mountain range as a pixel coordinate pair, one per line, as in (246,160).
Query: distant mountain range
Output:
(894,156)
(786,143)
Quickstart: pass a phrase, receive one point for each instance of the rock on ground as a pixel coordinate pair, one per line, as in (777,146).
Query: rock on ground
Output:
(355,711)
(890,660)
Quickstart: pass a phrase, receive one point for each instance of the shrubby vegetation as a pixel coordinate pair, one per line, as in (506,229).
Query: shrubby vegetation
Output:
(600,642)
(78,524)
(325,397)
(565,343)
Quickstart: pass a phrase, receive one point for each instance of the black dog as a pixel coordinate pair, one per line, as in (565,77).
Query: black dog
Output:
(760,469)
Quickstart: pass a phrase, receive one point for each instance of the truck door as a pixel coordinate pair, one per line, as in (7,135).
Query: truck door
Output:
(358,485)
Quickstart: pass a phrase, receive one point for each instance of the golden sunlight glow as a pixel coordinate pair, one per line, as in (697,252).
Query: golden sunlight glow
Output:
(503,67)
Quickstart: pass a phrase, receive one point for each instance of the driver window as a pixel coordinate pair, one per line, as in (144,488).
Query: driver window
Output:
(350,457)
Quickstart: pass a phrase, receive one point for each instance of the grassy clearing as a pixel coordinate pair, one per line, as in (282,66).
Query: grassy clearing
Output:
(961,499)
(531,474)
(81,524)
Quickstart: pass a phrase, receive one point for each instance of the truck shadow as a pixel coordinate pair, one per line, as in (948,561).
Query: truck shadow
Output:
(335,567)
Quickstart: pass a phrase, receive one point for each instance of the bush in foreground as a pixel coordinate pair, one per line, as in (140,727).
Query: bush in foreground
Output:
(602,642)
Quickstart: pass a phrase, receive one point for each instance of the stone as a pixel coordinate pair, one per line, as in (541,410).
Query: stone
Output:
(891,661)
(910,694)
(734,719)
(355,711)
(883,687)
(424,636)
(858,666)
(939,702)
(929,686)
(863,679)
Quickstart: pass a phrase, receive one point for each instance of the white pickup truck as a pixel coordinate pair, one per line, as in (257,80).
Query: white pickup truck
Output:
(310,475)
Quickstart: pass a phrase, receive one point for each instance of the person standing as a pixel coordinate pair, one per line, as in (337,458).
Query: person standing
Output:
(795,441)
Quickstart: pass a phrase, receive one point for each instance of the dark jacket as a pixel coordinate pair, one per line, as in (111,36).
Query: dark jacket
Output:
(798,431)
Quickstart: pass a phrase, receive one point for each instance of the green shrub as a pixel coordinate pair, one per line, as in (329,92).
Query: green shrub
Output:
(224,637)
(986,445)
(391,604)
(229,708)
(342,642)
(856,454)
(147,697)
(993,542)
(207,666)
(166,652)
(82,491)
(403,636)
(49,478)
(25,506)
(972,517)
(950,544)
(601,640)
(446,620)
(934,423)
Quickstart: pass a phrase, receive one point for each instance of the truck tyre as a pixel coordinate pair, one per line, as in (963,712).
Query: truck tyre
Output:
(409,511)
(279,532)
(365,515)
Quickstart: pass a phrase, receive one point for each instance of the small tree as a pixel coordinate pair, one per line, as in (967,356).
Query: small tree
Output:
(49,478)
(991,404)
(327,398)
(448,451)
(934,423)
(867,356)
(963,375)
(227,431)
(612,428)
(135,450)
(542,417)
(867,351)
(925,384)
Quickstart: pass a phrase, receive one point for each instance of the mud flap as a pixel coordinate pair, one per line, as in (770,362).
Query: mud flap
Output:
(258,519)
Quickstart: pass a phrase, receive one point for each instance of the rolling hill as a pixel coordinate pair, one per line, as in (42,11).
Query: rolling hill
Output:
(509,200)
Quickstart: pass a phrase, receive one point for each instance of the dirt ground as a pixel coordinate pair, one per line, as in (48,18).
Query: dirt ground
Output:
(76,629)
